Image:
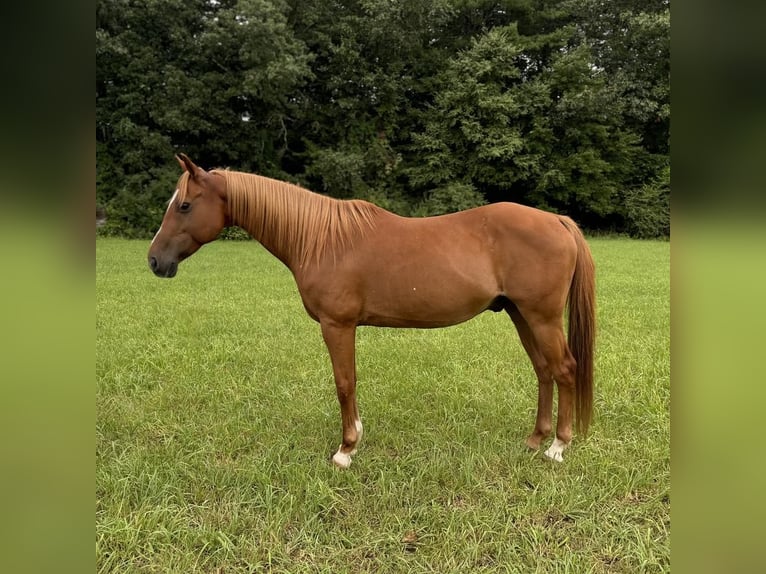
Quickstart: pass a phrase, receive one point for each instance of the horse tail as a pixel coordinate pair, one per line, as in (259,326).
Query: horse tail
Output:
(582,326)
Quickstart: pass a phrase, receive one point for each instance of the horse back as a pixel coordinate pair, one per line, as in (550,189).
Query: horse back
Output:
(437,271)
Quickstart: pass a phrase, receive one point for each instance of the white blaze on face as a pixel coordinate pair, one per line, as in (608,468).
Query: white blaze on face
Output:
(166,212)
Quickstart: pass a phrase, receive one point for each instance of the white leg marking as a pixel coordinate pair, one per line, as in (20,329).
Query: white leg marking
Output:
(360,431)
(340,459)
(166,211)
(556,450)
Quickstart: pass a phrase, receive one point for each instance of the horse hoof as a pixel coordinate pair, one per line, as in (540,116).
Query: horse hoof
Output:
(532,444)
(556,451)
(341,460)
(554,455)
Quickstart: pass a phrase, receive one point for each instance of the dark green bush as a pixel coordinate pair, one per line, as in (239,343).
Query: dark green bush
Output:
(450,198)
(647,208)
(234,234)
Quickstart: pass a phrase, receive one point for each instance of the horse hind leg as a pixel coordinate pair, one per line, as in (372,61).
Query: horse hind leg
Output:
(550,339)
(543,421)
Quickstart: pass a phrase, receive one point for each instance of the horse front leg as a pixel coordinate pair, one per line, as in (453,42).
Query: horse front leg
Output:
(340,341)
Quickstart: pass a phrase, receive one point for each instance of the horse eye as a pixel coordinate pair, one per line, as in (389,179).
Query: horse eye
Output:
(185,206)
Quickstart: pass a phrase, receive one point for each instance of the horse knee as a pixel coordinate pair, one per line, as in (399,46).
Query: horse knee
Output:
(346,393)
(565,372)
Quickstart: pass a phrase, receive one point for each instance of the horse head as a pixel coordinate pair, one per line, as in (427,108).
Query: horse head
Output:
(196,214)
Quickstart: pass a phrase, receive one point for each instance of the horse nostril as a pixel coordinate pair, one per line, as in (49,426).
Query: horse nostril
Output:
(153,263)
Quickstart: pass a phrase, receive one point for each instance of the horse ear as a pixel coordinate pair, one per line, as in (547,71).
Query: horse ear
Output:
(187,164)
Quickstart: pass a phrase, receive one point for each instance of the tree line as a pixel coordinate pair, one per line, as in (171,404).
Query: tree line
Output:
(420,106)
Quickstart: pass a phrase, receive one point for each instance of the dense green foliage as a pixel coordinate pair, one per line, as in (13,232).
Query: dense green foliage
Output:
(421,106)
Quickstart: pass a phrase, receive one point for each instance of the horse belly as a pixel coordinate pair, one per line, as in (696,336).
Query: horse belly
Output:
(426,294)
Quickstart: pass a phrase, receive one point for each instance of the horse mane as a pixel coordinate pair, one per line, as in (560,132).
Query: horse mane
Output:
(302,225)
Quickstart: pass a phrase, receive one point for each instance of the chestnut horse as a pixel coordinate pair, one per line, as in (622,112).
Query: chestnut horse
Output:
(357,264)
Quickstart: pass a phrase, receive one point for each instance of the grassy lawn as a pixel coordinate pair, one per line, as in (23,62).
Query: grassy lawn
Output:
(216,418)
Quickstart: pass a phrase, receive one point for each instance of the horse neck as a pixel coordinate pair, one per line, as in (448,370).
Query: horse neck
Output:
(270,211)
(299,227)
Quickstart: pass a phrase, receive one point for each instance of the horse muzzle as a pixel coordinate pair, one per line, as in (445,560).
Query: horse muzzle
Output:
(163,269)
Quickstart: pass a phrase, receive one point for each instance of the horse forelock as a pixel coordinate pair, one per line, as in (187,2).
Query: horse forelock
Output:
(303,225)
(183,187)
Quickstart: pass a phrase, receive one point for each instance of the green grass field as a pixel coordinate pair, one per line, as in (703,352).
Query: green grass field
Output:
(216,418)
